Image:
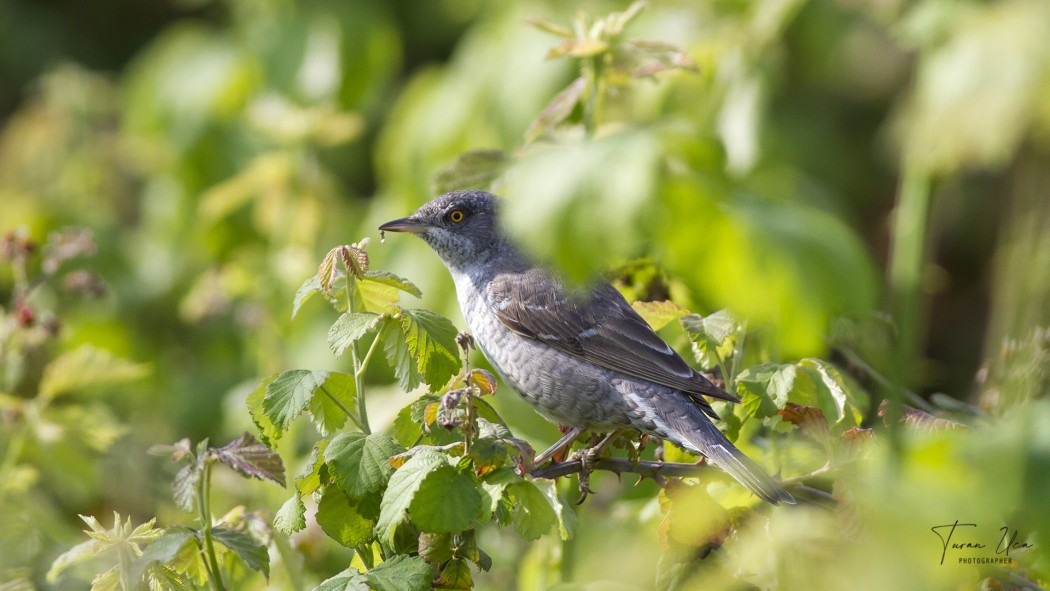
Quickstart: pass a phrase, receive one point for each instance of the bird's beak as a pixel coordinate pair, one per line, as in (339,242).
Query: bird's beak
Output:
(404,225)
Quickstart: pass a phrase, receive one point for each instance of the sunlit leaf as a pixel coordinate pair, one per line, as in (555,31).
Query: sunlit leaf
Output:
(475,169)
(713,336)
(360,463)
(402,488)
(307,290)
(333,402)
(87,367)
(349,328)
(291,517)
(764,389)
(446,502)
(252,459)
(401,573)
(388,278)
(431,340)
(267,430)
(289,395)
(311,478)
(348,580)
(659,314)
(185,486)
(456,575)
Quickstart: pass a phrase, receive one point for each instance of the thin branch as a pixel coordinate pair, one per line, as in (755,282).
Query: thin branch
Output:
(620,466)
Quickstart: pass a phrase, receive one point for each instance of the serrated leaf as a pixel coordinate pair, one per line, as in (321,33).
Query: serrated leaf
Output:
(446,502)
(567,519)
(251,552)
(164,578)
(435,548)
(375,297)
(713,336)
(349,328)
(289,395)
(659,314)
(764,389)
(476,169)
(401,573)
(107,581)
(87,367)
(402,488)
(267,430)
(252,459)
(455,575)
(484,380)
(396,281)
(185,486)
(810,421)
(310,479)
(557,110)
(348,580)
(291,517)
(399,356)
(532,514)
(162,551)
(342,520)
(360,463)
(331,402)
(306,291)
(431,340)
(839,403)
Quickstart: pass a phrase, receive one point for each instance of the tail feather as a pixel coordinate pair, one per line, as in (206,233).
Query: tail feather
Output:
(698,434)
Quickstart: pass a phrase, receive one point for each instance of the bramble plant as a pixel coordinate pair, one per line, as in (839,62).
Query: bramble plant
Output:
(181,558)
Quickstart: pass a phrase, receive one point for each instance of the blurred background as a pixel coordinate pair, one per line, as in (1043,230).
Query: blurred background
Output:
(865,181)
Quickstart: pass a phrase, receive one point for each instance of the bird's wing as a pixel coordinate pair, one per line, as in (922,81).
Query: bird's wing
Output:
(600,327)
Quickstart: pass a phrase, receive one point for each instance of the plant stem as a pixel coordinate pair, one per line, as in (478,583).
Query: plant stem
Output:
(359,367)
(343,407)
(368,355)
(204,509)
(907,258)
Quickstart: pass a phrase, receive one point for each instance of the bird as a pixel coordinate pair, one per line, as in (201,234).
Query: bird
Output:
(582,357)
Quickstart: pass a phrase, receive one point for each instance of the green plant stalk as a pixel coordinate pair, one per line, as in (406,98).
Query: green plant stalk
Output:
(359,382)
(343,407)
(592,72)
(204,510)
(907,258)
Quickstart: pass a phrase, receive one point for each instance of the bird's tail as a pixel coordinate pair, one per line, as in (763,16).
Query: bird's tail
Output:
(692,430)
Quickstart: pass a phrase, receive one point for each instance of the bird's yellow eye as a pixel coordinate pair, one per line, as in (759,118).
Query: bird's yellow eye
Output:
(456,216)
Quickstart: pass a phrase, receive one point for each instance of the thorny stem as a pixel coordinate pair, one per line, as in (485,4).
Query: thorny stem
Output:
(204,509)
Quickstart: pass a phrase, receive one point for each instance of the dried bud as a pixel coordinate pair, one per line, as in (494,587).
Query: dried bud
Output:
(24,314)
(85,283)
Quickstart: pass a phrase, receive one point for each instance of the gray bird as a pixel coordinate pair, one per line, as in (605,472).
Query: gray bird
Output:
(586,360)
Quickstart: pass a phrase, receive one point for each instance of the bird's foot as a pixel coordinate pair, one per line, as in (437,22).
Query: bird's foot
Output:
(587,457)
(562,444)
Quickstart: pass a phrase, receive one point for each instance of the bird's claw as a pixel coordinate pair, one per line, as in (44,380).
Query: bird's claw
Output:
(586,457)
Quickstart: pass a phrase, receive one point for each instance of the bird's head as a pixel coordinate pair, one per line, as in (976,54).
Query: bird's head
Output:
(460,226)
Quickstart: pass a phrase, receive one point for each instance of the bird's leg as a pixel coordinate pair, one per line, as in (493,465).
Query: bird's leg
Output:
(565,441)
(587,456)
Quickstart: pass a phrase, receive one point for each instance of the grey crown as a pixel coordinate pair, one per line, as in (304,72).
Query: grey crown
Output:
(582,358)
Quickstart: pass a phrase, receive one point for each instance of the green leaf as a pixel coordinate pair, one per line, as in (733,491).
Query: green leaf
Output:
(342,520)
(164,549)
(107,581)
(267,430)
(399,356)
(348,580)
(252,553)
(375,297)
(435,548)
(476,169)
(838,402)
(349,328)
(446,502)
(360,463)
(401,573)
(567,519)
(431,340)
(402,488)
(291,517)
(161,577)
(316,472)
(251,458)
(87,367)
(659,314)
(306,291)
(75,555)
(532,513)
(764,389)
(289,395)
(713,336)
(456,575)
(332,403)
(387,278)
(558,109)
(492,487)
(185,486)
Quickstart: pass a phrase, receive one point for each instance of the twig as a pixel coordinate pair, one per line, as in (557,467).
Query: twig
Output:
(620,466)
